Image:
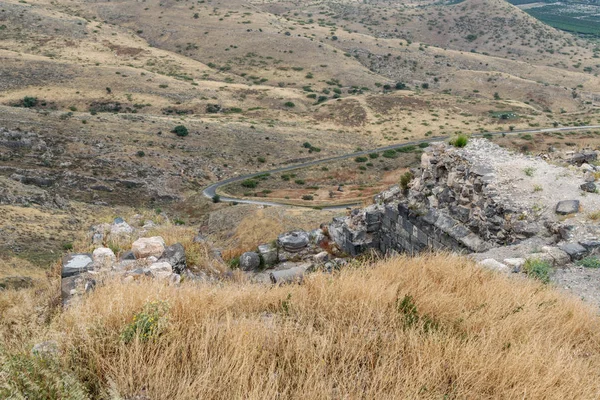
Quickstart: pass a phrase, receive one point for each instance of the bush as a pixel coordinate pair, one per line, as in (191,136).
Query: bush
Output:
(405,180)
(460,141)
(307,197)
(389,154)
(423,145)
(140,153)
(538,269)
(361,159)
(289,104)
(216,198)
(400,86)
(589,262)
(373,155)
(29,102)
(250,183)
(148,323)
(406,149)
(299,181)
(180,131)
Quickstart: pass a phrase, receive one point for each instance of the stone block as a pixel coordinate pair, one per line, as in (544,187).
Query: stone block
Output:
(566,207)
(269,254)
(589,187)
(574,250)
(74,264)
(492,264)
(560,257)
(146,247)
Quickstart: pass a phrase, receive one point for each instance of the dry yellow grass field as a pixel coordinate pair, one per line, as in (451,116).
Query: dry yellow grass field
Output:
(430,327)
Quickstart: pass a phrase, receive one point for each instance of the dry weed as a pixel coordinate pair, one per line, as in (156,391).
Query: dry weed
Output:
(430,327)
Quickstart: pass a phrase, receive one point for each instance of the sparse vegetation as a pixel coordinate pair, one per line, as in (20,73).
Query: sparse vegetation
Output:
(538,269)
(180,131)
(460,141)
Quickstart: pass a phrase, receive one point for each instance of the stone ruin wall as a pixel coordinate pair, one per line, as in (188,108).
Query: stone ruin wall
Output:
(450,204)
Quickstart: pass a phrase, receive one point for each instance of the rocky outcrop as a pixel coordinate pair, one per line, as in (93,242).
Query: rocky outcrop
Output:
(455,201)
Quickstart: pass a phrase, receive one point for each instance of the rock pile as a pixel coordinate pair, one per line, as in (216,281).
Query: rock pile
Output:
(148,257)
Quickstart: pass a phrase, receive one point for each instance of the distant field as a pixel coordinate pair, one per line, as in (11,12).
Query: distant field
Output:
(579,18)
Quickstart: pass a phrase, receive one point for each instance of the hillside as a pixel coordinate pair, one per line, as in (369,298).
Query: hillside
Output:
(117,115)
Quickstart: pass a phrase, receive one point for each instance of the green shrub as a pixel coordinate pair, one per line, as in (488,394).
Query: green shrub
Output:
(216,198)
(289,104)
(307,197)
(589,262)
(361,159)
(250,183)
(29,102)
(140,153)
(406,149)
(423,145)
(460,141)
(538,269)
(373,155)
(529,171)
(405,180)
(148,323)
(180,131)
(299,181)
(389,154)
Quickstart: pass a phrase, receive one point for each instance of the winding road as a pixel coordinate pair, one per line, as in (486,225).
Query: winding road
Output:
(211,190)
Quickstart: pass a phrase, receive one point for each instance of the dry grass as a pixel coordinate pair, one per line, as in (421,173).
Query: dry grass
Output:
(255,229)
(430,327)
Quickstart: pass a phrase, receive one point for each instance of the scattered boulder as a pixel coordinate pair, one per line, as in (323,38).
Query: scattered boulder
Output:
(566,207)
(103,257)
(494,265)
(175,256)
(120,227)
(269,254)
(291,275)
(161,270)
(574,250)
(249,261)
(559,256)
(293,241)
(146,247)
(515,263)
(583,157)
(74,264)
(589,187)
(321,258)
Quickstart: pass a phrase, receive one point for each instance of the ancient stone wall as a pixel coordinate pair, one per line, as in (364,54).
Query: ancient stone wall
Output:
(450,204)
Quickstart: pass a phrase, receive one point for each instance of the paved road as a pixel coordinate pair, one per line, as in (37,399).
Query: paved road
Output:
(211,190)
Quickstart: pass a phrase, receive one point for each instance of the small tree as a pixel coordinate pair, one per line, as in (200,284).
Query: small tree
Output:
(180,131)
(29,102)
